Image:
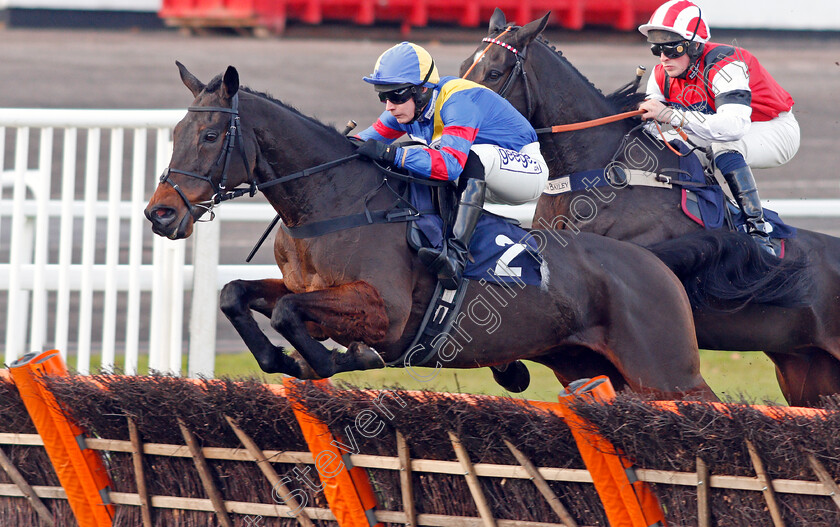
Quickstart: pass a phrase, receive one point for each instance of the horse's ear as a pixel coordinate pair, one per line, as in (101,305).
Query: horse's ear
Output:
(230,82)
(497,22)
(530,31)
(190,80)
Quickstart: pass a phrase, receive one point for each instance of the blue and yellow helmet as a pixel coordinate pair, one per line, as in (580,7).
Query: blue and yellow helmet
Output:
(405,64)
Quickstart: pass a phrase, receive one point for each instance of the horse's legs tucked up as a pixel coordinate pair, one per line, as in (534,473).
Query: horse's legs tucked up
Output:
(354,312)
(803,377)
(237,300)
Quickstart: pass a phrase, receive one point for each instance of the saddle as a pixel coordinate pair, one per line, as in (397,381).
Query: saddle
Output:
(735,220)
(708,206)
(702,198)
(501,251)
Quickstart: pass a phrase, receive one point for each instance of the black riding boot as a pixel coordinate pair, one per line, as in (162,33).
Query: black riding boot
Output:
(449,262)
(742,185)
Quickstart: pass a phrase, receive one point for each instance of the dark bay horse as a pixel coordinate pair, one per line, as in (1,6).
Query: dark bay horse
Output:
(803,341)
(605,303)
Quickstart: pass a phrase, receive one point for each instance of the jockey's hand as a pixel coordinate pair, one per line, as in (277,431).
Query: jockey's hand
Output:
(378,151)
(656,110)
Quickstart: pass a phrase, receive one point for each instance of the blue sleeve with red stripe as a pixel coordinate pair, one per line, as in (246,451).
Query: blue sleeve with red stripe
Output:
(386,129)
(461,118)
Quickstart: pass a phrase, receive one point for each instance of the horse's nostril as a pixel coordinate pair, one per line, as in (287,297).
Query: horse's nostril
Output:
(161,215)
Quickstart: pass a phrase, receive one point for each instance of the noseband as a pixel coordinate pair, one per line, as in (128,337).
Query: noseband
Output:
(220,193)
(517,71)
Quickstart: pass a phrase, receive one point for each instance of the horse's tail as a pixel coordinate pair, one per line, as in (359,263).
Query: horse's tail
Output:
(726,270)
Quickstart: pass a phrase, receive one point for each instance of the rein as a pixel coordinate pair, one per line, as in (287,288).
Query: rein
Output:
(611,119)
(589,124)
(220,193)
(517,71)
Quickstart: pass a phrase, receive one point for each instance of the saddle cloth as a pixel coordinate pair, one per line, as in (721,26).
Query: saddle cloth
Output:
(500,250)
(708,205)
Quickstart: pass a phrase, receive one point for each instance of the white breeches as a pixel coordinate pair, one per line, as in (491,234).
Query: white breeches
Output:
(513,178)
(767,144)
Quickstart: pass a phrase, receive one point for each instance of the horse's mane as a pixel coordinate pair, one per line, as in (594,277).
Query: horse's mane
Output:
(626,98)
(216,83)
(623,99)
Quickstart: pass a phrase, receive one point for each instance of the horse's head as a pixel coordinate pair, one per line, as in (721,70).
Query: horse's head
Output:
(209,156)
(519,64)
(499,61)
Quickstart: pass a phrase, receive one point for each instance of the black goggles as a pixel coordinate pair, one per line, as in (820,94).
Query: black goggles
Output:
(671,50)
(397,96)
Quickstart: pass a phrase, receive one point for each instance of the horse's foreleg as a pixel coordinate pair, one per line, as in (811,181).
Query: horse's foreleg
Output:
(238,299)
(352,311)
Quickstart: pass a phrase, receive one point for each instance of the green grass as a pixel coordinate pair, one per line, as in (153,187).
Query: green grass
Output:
(732,375)
(737,375)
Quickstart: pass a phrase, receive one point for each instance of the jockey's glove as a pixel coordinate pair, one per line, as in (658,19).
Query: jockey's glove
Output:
(378,151)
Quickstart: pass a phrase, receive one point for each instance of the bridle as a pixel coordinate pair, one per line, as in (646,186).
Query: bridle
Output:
(518,69)
(220,192)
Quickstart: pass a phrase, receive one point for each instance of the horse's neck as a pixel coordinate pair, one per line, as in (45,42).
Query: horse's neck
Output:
(575,100)
(288,143)
(581,150)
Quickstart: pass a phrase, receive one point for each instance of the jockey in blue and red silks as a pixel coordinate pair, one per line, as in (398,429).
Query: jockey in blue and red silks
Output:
(472,135)
(724,99)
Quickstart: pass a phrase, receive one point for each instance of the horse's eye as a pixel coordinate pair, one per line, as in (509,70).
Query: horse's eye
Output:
(211,136)
(494,75)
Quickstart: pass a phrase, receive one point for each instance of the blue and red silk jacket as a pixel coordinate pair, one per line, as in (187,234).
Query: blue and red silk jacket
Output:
(460,113)
(765,96)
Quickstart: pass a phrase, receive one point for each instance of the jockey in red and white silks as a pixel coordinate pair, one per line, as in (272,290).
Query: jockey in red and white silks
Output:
(724,99)
(730,102)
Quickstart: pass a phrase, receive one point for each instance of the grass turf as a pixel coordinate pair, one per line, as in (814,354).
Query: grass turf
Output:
(733,376)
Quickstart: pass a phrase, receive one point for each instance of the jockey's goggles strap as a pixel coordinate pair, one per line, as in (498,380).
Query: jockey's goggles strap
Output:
(428,73)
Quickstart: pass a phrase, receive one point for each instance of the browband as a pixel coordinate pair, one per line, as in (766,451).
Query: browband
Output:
(500,43)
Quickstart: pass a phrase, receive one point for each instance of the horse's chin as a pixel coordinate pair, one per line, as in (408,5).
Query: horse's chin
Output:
(185,228)
(176,231)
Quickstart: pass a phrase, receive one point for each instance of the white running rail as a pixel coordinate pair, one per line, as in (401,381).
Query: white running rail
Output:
(76,269)
(80,269)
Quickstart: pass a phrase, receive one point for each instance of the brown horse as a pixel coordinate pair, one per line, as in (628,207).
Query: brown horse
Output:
(604,304)
(802,339)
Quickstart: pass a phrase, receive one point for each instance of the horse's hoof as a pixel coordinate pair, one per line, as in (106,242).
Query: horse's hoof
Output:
(305,372)
(363,357)
(515,377)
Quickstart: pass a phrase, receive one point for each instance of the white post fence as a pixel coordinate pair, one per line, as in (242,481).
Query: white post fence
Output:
(75,267)
(80,269)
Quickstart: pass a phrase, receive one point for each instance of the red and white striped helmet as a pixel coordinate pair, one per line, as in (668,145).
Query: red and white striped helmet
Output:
(681,17)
